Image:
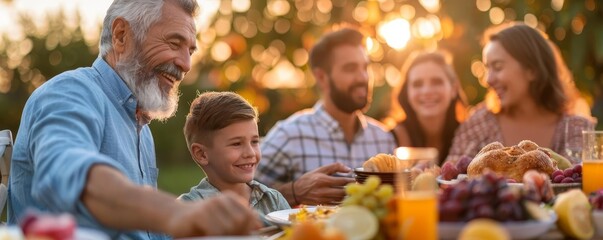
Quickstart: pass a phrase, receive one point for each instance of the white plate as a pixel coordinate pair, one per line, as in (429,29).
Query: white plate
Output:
(281,217)
(453,181)
(518,230)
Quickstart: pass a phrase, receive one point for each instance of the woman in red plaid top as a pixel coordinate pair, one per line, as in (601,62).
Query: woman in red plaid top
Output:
(530,103)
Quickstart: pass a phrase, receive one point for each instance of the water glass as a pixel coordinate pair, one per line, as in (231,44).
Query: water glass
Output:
(573,142)
(592,161)
(417,193)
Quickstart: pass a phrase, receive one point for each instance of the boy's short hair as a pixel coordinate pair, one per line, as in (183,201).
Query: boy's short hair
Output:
(212,111)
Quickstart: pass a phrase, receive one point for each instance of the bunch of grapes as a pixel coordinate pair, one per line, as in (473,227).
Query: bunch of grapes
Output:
(488,196)
(451,170)
(596,199)
(372,195)
(569,175)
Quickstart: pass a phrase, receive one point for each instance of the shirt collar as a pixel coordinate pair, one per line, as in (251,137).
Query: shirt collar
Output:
(110,79)
(326,119)
(119,90)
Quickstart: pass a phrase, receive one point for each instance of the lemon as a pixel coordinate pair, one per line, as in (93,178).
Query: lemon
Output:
(573,210)
(426,181)
(484,229)
(356,222)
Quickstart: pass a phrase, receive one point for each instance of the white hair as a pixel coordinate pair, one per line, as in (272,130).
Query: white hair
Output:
(140,14)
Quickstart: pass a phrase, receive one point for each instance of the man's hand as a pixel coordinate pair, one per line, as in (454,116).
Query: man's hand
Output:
(225,214)
(319,187)
(144,208)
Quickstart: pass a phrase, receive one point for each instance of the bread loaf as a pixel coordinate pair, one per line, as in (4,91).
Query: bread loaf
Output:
(381,163)
(512,161)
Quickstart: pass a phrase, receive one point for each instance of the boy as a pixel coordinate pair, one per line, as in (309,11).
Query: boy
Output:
(221,133)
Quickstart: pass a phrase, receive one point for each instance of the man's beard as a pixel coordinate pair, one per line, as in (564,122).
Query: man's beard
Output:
(342,99)
(156,102)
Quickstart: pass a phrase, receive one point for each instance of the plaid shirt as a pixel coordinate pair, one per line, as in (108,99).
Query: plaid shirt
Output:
(482,128)
(312,138)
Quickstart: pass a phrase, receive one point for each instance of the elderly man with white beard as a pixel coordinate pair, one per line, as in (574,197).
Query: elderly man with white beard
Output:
(84,146)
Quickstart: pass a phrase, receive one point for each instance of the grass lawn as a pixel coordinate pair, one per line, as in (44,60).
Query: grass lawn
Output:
(178,179)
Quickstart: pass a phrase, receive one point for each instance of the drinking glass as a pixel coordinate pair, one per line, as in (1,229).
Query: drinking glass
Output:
(416,188)
(592,161)
(573,142)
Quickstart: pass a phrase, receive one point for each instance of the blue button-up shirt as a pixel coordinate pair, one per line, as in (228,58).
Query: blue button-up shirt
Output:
(75,120)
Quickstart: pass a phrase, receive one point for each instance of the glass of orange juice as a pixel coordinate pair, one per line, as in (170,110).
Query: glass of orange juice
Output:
(592,161)
(416,188)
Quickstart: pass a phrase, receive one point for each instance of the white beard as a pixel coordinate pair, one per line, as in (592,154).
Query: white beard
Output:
(154,101)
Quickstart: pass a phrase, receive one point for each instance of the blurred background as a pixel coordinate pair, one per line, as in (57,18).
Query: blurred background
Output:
(259,49)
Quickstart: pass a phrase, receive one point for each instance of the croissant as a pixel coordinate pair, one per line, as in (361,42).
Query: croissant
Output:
(381,163)
(512,161)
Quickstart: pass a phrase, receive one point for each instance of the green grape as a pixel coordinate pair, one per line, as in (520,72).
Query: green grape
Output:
(370,202)
(353,188)
(351,200)
(372,183)
(384,193)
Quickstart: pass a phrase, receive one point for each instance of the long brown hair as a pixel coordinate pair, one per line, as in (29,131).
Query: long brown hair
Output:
(405,115)
(531,49)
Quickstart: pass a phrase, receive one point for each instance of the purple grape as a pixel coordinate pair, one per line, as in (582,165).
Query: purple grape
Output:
(477,202)
(558,178)
(507,195)
(567,180)
(449,171)
(578,169)
(596,201)
(463,163)
(578,180)
(484,211)
(460,193)
(575,175)
(568,172)
(556,173)
(504,211)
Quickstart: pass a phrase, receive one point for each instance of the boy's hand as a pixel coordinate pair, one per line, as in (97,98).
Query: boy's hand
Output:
(319,187)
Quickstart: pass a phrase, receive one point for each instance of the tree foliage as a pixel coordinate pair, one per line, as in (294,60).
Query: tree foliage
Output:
(258,42)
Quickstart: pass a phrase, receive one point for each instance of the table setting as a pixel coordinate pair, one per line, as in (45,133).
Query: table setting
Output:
(406,196)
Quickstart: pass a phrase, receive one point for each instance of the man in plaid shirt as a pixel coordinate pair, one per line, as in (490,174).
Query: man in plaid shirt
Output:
(302,154)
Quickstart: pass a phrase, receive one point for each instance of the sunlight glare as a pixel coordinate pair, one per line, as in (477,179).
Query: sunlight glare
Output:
(361,13)
(283,75)
(431,6)
(232,72)
(241,5)
(483,5)
(531,20)
(497,15)
(424,28)
(220,52)
(407,11)
(278,7)
(557,5)
(395,32)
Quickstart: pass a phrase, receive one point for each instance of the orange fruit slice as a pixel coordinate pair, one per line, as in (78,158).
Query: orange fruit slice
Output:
(484,229)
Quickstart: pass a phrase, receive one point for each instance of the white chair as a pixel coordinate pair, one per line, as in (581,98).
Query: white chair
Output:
(6,149)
